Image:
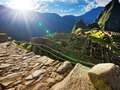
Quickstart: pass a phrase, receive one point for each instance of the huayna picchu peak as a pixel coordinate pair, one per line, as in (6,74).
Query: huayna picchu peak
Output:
(109,19)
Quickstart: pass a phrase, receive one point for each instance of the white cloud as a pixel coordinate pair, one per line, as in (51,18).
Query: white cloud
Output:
(102,2)
(87,6)
(90,6)
(65,1)
(67,6)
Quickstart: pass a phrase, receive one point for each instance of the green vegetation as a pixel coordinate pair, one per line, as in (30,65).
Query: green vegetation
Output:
(104,17)
(105,40)
(100,37)
(24,45)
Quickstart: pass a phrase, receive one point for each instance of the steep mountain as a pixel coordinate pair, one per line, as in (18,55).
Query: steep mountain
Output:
(24,25)
(91,16)
(88,17)
(110,17)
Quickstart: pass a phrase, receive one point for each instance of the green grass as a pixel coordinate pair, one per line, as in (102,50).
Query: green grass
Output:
(24,45)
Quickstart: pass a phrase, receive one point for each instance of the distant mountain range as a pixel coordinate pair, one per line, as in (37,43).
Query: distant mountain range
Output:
(23,26)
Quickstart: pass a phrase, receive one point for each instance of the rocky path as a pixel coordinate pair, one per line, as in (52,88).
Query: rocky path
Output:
(22,70)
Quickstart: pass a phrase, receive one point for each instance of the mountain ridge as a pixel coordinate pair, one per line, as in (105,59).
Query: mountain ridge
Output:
(36,24)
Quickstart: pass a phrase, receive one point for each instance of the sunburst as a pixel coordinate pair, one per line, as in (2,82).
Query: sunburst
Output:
(22,4)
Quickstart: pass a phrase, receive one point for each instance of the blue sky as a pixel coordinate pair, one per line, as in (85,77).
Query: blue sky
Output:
(65,7)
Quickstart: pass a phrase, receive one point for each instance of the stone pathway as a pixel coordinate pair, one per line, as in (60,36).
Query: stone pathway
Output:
(22,70)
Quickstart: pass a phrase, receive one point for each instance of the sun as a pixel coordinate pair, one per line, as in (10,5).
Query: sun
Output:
(22,4)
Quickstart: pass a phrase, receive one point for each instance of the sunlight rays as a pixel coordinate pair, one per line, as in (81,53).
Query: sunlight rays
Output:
(23,14)
(22,4)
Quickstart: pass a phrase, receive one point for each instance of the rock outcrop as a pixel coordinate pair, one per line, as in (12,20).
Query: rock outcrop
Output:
(109,18)
(105,76)
(100,77)
(76,80)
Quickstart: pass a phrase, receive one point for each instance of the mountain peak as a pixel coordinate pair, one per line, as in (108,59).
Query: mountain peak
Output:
(109,18)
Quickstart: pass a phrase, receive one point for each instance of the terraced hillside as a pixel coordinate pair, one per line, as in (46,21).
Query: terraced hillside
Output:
(88,48)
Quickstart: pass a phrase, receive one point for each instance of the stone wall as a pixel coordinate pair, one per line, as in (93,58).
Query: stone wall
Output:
(101,54)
